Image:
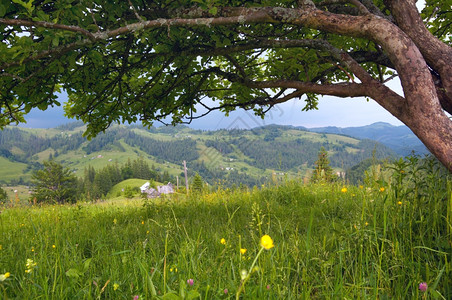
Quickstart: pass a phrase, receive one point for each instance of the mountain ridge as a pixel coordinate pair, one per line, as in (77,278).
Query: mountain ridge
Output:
(399,138)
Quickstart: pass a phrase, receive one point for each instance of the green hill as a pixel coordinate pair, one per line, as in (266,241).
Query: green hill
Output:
(235,156)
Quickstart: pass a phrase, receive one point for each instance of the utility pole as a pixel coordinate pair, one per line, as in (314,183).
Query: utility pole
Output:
(186,177)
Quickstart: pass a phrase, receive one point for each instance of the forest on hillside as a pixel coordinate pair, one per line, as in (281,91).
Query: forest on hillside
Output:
(244,157)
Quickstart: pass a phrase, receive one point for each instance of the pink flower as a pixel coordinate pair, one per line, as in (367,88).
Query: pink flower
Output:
(423,286)
(225,291)
(268,286)
(190,282)
(136,297)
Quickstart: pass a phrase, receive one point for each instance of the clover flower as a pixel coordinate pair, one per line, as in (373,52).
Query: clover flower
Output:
(190,282)
(423,286)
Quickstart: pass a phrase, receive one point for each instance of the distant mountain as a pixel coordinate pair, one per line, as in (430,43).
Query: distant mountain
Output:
(399,138)
(236,156)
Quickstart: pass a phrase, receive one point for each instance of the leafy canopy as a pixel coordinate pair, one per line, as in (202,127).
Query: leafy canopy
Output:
(117,72)
(124,61)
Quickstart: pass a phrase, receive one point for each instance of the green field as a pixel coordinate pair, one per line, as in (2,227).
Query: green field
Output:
(12,170)
(378,241)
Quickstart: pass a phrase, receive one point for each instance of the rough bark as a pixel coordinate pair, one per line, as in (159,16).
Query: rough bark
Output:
(437,54)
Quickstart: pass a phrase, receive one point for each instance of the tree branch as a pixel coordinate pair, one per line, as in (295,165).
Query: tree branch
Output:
(27,23)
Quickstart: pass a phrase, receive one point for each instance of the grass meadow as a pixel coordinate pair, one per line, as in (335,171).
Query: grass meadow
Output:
(384,240)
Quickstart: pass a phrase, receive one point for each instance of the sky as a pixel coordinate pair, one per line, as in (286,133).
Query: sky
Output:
(340,112)
(332,111)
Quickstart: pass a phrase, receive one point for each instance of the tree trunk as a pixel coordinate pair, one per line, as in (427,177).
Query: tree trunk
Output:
(421,110)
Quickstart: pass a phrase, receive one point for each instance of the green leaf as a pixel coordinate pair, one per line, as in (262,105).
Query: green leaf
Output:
(193,295)
(171,296)
(55,41)
(86,264)
(213,10)
(73,273)
(2,10)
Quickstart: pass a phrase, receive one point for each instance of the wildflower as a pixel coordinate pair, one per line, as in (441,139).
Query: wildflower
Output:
(115,286)
(30,264)
(382,189)
(32,249)
(361,187)
(190,282)
(268,286)
(243,274)
(242,251)
(366,223)
(53,246)
(142,222)
(423,286)
(223,241)
(136,297)
(267,242)
(399,203)
(225,291)
(115,221)
(4,276)
(344,190)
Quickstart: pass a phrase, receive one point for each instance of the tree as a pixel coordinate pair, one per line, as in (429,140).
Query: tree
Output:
(3,196)
(197,184)
(323,170)
(123,61)
(54,183)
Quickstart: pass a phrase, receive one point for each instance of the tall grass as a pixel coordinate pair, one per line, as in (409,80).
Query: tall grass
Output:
(378,241)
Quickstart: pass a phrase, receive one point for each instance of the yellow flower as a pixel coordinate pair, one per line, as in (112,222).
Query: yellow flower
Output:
(53,246)
(115,221)
(361,187)
(344,190)
(399,203)
(142,222)
(267,242)
(4,276)
(223,241)
(1,247)
(242,251)
(382,189)
(366,223)
(115,286)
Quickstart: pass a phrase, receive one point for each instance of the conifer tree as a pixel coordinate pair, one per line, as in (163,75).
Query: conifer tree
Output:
(198,184)
(54,183)
(323,170)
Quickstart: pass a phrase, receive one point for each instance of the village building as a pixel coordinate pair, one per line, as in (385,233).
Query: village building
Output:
(154,193)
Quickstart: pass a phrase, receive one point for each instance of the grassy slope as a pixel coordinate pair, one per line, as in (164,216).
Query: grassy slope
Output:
(12,170)
(329,244)
(117,189)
